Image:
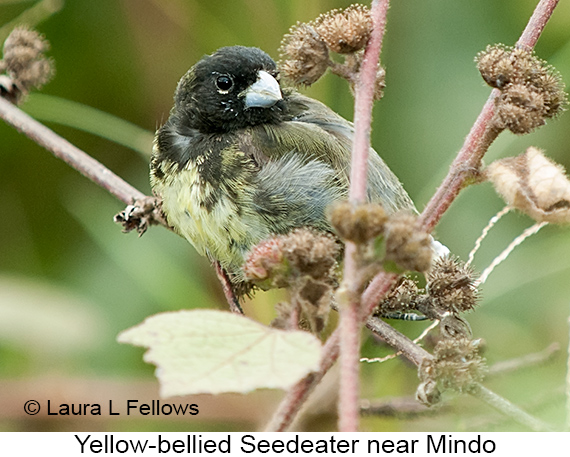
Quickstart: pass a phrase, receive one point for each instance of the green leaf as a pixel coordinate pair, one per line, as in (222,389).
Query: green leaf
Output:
(206,351)
(48,108)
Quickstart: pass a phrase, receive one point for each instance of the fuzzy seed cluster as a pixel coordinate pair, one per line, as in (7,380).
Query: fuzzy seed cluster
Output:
(24,63)
(345,31)
(304,262)
(357,223)
(405,245)
(305,50)
(305,55)
(450,290)
(531,90)
(456,365)
(450,283)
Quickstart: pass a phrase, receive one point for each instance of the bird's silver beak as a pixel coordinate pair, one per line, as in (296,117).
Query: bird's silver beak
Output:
(263,93)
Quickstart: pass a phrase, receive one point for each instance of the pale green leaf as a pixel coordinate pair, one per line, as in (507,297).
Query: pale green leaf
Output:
(49,108)
(206,351)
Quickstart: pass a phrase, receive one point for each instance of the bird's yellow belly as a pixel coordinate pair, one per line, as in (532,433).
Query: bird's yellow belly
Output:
(223,232)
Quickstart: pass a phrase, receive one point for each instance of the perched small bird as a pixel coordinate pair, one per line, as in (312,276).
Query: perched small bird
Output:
(241,159)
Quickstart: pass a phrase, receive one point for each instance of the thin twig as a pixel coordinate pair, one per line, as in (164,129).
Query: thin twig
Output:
(465,165)
(416,354)
(540,401)
(509,409)
(32,16)
(70,154)
(422,335)
(293,401)
(468,159)
(404,407)
(416,340)
(536,24)
(96,172)
(527,360)
(350,312)
(379,359)
(485,232)
(397,340)
(231,297)
(507,251)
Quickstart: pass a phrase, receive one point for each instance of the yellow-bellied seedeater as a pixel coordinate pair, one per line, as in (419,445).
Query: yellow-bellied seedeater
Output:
(241,158)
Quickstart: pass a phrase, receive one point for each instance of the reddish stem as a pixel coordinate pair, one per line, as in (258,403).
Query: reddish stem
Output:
(439,203)
(350,313)
(73,156)
(536,24)
(297,395)
(481,136)
(465,165)
(231,297)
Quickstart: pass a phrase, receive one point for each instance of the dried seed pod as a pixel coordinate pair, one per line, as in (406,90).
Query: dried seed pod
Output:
(532,91)
(266,265)
(24,63)
(501,65)
(401,299)
(283,258)
(310,252)
(428,393)
(303,261)
(534,184)
(357,223)
(454,326)
(345,31)
(456,365)
(450,284)
(407,245)
(304,55)
(495,65)
(521,109)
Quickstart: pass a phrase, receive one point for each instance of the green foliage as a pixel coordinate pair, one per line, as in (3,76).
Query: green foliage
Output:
(125,58)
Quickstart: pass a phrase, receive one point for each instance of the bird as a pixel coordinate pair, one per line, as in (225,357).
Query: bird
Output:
(241,158)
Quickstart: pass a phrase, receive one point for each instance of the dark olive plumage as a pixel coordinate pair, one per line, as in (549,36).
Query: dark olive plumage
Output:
(241,159)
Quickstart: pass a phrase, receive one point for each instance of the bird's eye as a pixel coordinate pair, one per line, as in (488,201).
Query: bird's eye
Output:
(224,83)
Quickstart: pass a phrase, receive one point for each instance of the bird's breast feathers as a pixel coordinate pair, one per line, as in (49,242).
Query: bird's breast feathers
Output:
(224,202)
(211,213)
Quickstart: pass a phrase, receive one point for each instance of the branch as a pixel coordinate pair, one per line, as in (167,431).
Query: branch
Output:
(468,160)
(465,166)
(296,397)
(70,154)
(525,361)
(405,346)
(142,210)
(400,408)
(509,409)
(350,312)
(363,103)
(568,385)
(536,24)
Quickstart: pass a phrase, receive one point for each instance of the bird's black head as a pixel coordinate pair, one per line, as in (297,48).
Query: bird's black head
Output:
(231,89)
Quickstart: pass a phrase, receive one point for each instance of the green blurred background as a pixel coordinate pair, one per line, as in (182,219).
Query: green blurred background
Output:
(70,281)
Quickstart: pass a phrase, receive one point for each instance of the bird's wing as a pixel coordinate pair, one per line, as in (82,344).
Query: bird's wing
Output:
(290,192)
(316,133)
